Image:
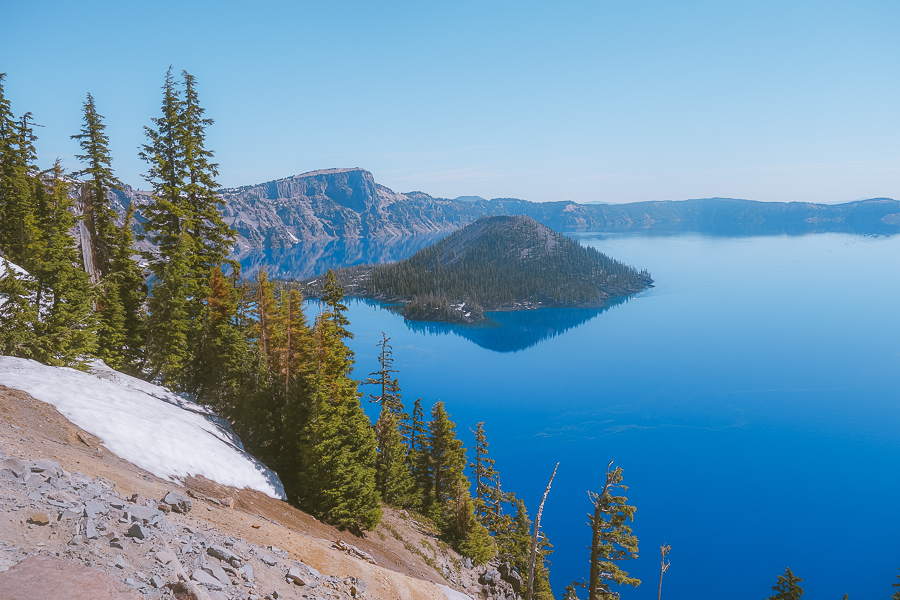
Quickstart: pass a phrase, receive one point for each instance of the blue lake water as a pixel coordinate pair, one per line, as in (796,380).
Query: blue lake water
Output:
(752,398)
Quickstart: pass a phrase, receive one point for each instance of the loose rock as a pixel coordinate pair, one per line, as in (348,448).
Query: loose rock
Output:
(39,519)
(180,504)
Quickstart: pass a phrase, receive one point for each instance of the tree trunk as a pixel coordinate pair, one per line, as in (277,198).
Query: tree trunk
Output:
(534,537)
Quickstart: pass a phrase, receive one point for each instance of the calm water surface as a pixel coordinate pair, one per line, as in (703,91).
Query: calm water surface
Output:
(752,398)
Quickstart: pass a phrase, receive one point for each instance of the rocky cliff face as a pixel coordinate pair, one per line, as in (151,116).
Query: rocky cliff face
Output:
(335,203)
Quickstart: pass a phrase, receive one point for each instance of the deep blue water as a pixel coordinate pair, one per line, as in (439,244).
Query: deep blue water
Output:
(752,398)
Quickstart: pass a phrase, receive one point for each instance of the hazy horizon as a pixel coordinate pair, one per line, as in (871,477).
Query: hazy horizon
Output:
(577,101)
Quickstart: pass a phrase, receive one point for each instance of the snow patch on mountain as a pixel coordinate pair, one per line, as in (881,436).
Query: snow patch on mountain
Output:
(147,425)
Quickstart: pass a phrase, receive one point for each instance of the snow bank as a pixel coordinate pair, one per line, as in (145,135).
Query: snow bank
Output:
(145,424)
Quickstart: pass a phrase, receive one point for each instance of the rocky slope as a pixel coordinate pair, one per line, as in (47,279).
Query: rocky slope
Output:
(349,204)
(80,523)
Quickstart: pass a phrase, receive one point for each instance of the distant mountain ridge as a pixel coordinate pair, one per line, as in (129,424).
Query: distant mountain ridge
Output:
(349,204)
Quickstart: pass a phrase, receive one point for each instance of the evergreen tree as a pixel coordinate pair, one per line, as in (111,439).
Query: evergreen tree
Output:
(128,278)
(389,398)
(486,495)
(787,588)
(613,540)
(514,544)
(294,341)
(168,324)
(65,298)
(19,315)
(222,347)
(184,221)
(111,347)
(896,595)
(336,446)
(471,537)
(99,216)
(447,458)
(415,434)
(393,477)
(20,235)
(448,501)
(214,239)
(165,173)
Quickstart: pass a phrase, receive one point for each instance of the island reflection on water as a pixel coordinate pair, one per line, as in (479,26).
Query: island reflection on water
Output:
(506,331)
(512,331)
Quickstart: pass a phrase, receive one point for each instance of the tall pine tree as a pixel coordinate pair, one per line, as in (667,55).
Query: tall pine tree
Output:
(183,220)
(99,216)
(787,587)
(64,294)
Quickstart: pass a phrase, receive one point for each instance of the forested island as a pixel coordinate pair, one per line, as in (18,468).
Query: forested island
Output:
(496,263)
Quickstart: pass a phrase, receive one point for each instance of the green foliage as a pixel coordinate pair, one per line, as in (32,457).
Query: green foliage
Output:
(184,220)
(20,236)
(896,595)
(486,494)
(613,540)
(786,588)
(446,459)
(393,477)
(131,289)
(514,544)
(68,324)
(19,314)
(214,239)
(415,434)
(389,398)
(99,217)
(168,352)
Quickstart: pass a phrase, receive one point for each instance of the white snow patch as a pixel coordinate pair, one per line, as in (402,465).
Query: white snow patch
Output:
(144,424)
(453,594)
(17,273)
(16,268)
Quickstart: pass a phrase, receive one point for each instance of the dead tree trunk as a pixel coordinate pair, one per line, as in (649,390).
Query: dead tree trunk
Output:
(534,537)
(663,567)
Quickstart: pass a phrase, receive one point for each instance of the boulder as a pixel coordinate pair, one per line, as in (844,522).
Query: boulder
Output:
(201,576)
(90,530)
(219,573)
(13,468)
(60,579)
(357,586)
(300,576)
(180,504)
(143,514)
(138,531)
(224,554)
(39,519)
(92,508)
(510,575)
(490,577)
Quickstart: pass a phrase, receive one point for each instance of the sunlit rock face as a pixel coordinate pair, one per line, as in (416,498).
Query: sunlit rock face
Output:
(335,203)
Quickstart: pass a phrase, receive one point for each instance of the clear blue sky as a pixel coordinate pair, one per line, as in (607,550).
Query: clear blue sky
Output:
(586,101)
